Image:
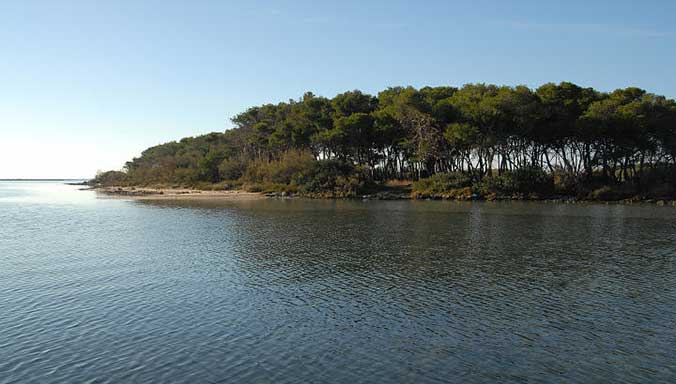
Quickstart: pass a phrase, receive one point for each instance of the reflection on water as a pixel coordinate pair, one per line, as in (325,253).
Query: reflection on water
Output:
(111,290)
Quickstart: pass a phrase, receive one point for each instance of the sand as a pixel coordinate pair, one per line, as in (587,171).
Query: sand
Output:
(176,194)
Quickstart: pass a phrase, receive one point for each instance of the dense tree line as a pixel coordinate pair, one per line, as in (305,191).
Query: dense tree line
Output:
(478,130)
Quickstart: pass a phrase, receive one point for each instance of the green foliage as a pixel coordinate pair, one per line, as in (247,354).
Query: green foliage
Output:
(110,178)
(532,179)
(559,138)
(521,181)
(280,171)
(440,184)
(461,134)
(333,178)
(208,166)
(231,168)
(352,102)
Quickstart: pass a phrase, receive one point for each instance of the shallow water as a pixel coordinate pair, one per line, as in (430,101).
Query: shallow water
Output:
(293,291)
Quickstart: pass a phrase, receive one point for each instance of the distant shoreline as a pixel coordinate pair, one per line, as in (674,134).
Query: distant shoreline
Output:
(44,179)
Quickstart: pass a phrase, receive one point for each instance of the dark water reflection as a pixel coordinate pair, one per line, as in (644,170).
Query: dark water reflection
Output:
(333,291)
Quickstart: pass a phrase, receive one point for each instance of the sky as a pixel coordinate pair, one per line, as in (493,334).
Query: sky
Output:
(88,85)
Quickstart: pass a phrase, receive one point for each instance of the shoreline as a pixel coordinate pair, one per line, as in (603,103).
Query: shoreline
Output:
(156,193)
(143,193)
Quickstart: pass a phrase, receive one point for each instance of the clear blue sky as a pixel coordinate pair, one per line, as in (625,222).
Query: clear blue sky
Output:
(86,85)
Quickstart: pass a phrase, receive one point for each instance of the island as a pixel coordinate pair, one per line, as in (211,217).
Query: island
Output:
(479,141)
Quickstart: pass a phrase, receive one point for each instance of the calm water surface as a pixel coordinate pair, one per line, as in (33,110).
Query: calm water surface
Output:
(116,291)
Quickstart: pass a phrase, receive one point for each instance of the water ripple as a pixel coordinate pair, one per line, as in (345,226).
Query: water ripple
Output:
(113,291)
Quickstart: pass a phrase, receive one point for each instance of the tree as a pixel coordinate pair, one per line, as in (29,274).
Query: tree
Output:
(480,130)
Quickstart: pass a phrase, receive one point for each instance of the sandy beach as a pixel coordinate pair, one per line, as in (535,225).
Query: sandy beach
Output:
(175,194)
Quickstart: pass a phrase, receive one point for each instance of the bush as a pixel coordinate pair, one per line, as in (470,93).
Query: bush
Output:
(523,181)
(657,176)
(231,169)
(280,171)
(253,187)
(110,178)
(186,176)
(606,193)
(567,183)
(300,172)
(441,185)
(529,180)
(494,185)
(331,178)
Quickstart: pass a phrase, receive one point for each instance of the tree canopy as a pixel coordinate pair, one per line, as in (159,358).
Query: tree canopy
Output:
(479,130)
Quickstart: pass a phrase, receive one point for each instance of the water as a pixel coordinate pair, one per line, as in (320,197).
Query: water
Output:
(100,290)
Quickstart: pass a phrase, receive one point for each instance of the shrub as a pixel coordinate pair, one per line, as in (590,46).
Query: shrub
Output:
(186,176)
(280,171)
(493,185)
(656,176)
(522,181)
(253,187)
(231,169)
(110,178)
(566,183)
(331,178)
(533,179)
(606,193)
(442,185)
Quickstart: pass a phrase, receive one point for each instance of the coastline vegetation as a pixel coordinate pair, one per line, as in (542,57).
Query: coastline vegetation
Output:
(478,141)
